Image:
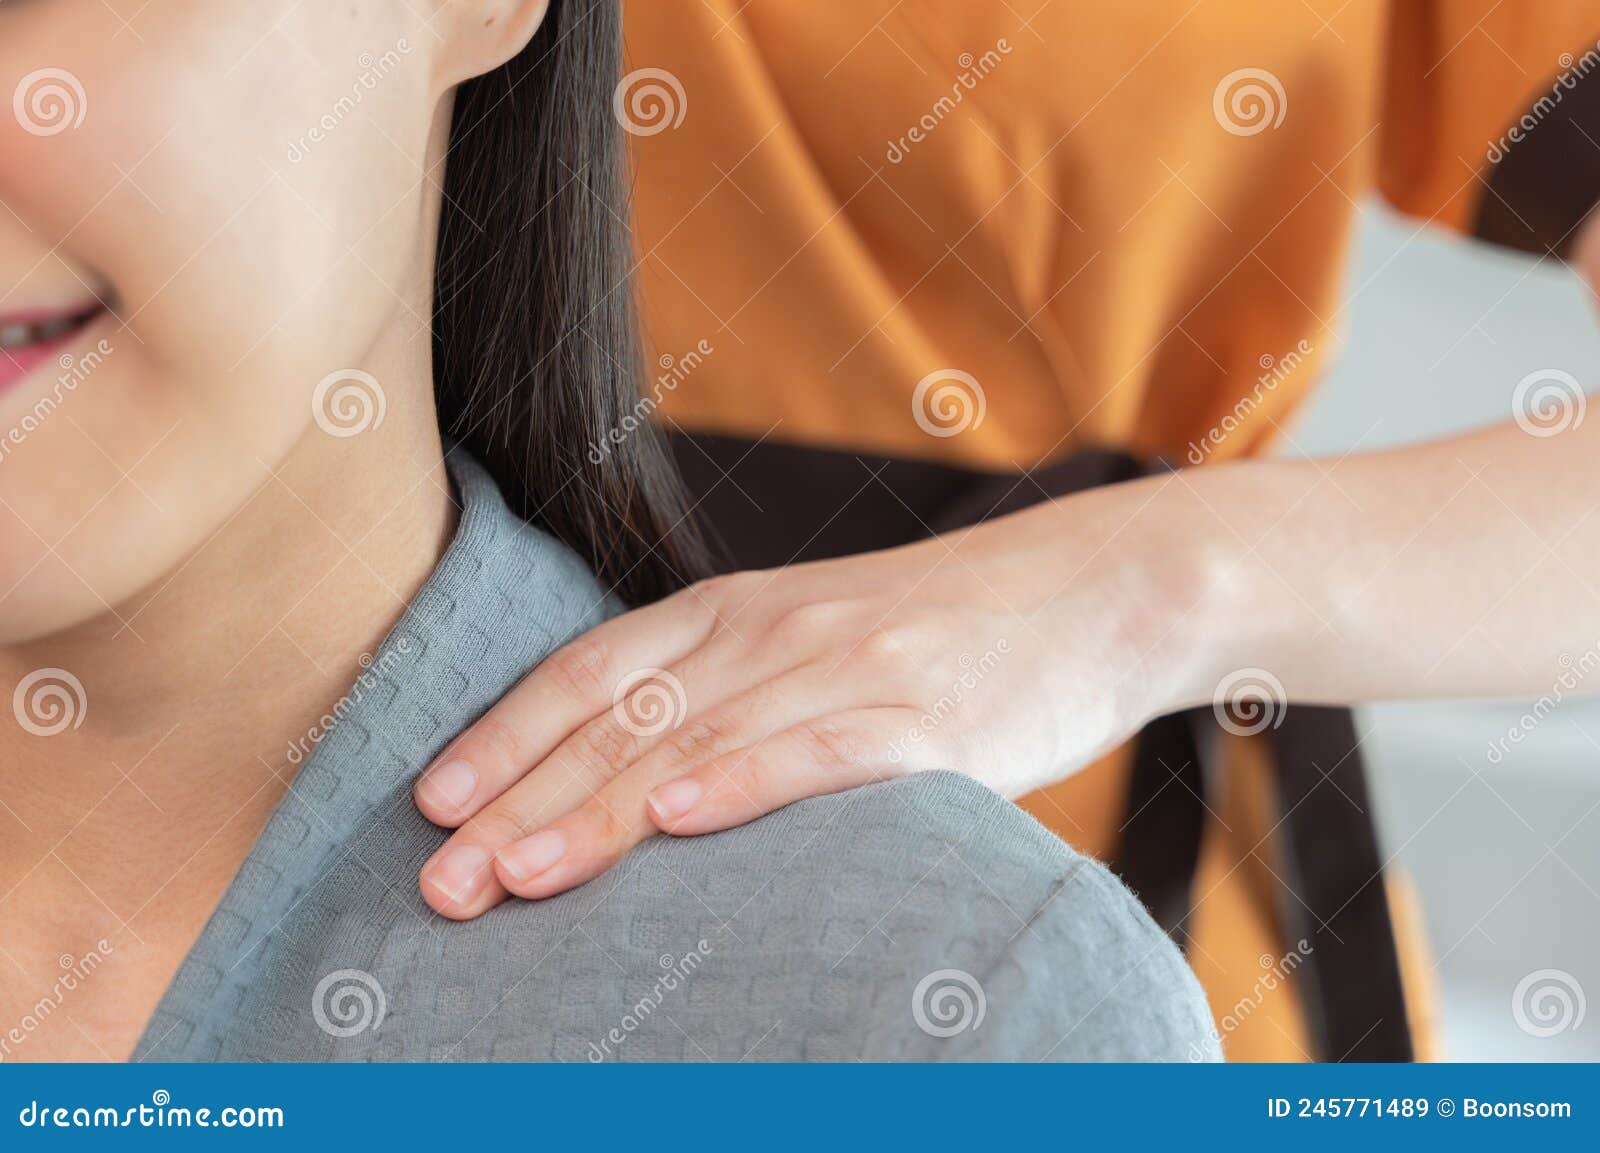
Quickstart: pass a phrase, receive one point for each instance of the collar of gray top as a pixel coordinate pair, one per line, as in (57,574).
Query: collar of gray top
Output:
(504,595)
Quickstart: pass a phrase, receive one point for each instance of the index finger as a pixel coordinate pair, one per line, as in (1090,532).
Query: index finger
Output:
(569,688)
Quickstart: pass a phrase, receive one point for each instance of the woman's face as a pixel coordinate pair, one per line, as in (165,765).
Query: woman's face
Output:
(206,208)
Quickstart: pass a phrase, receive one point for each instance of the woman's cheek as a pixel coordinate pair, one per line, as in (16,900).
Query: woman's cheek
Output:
(241,277)
(238,246)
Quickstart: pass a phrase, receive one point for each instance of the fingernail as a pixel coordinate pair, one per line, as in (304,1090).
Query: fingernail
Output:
(533,855)
(448,786)
(676,798)
(460,873)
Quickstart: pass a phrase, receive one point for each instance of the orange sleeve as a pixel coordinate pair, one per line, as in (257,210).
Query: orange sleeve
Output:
(1474,86)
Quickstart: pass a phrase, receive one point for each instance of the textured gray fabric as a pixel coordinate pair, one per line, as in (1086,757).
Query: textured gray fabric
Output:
(862,925)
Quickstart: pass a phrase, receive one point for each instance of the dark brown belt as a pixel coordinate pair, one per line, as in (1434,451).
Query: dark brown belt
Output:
(766,505)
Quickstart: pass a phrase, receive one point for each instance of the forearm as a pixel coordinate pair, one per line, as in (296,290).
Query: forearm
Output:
(1464,567)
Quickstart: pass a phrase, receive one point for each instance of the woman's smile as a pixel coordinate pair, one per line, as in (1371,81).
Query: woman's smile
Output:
(35,336)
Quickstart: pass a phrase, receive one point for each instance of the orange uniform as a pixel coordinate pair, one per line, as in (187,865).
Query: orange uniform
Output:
(987,237)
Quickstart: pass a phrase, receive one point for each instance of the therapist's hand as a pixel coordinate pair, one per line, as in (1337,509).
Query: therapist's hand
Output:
(1014,652)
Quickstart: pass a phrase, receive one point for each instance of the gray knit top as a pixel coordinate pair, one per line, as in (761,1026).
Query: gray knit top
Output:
(921,918)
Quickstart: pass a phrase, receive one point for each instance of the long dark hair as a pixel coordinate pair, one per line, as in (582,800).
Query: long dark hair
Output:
(536,356)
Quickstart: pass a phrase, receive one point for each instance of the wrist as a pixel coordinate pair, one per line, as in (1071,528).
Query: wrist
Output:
(1204,604)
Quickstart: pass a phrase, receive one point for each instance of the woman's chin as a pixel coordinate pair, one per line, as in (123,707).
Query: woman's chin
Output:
(34,609)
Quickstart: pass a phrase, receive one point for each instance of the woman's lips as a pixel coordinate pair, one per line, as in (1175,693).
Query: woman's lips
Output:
(29,339)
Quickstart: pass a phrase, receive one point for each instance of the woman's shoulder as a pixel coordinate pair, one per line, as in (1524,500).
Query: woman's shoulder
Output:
(921,918)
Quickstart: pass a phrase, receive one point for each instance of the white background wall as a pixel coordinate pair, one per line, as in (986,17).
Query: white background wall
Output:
(1506,857)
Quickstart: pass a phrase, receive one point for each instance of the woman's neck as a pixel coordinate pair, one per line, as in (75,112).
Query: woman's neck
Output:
(194,692)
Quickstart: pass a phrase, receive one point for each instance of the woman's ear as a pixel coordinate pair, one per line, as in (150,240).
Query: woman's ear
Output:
(477,36)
